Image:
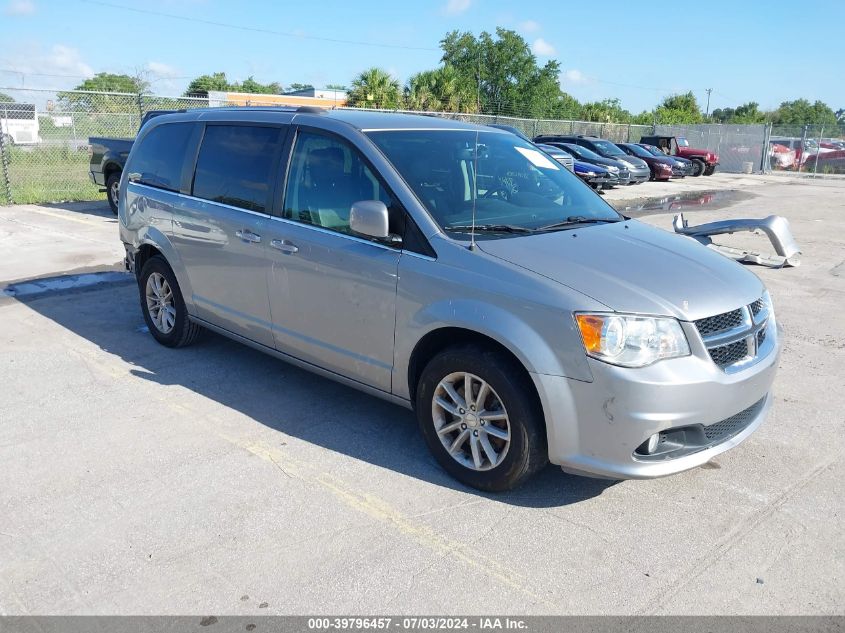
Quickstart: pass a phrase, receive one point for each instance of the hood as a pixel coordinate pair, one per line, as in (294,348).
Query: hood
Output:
(638,269)
(635,160)
(604,162)
(585,167)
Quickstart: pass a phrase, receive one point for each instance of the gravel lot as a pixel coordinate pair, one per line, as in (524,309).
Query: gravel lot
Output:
(136,479)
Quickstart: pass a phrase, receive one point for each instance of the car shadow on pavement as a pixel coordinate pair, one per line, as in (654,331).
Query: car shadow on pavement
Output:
(282,397)
(98,208)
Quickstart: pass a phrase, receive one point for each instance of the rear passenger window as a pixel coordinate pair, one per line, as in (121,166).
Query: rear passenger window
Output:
(158,160)
(235,165)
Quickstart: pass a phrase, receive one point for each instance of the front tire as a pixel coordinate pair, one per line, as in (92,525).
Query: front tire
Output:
(492,439)
(163,307)
(698,167)
(113,190)
(710,170)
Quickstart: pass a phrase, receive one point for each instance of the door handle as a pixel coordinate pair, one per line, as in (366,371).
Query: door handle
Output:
(248,236)
(285,246)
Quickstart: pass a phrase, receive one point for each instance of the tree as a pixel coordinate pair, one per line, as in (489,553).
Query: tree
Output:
(108,82)
(375,88)
(802,112)
(441,89)
(681,108)
(200,86)
(607,111)
(297,87)
(104,83)
(335,87)
(4,98)
(250,85)
(504,72)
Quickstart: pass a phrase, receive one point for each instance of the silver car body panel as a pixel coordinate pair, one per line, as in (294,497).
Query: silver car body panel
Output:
(356,311)
(775,227)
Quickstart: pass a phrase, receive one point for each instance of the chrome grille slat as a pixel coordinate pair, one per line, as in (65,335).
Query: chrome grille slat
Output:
(733,338)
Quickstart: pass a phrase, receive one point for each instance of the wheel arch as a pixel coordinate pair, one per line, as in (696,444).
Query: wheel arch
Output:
(153,242)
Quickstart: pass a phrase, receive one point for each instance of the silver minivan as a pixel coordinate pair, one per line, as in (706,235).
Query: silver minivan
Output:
(456,270)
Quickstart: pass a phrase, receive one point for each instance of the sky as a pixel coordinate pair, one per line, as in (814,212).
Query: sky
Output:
(638,52)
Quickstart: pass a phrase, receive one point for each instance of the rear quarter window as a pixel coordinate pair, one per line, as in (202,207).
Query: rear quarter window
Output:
(158,159)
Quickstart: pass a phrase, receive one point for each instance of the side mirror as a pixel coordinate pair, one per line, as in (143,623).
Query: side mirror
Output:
(369,217)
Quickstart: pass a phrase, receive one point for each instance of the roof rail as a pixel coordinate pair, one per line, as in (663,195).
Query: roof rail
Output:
(311,109)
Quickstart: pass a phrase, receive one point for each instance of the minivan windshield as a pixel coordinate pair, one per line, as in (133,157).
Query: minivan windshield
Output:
(512,186)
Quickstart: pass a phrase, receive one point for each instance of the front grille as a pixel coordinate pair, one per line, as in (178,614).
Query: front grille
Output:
(735,336)
(725,355)
(727,428)
(719,323)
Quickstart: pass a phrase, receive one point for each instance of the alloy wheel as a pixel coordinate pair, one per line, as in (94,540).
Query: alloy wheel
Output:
(160,303)
(471,421)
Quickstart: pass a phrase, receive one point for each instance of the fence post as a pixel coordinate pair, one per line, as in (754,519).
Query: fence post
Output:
(818,151)
(140,105)
(803,148)
(4,168)
(765,165)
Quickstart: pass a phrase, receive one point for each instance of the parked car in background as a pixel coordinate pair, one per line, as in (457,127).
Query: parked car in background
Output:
(599,178)
(108,156)
(454,270)
(19,123)
(682,166)
(662,168)
(832,162)
(704,160)
(615,167)
(780,156)
(638,170)
(558,154)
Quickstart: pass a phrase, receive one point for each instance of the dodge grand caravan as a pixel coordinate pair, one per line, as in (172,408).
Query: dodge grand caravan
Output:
(456,270)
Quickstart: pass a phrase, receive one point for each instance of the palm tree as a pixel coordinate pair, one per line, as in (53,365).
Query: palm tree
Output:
(442,89)
(375,88)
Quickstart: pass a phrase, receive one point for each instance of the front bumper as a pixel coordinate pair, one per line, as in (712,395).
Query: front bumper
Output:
(638,176)
(598,428)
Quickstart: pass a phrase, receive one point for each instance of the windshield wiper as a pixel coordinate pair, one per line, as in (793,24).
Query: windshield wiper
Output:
(491,228)
(577,219)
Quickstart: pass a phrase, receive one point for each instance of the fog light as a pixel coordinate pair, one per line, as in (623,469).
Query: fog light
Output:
(652,443)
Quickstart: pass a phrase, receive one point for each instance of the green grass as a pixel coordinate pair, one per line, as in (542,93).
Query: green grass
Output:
(49,174)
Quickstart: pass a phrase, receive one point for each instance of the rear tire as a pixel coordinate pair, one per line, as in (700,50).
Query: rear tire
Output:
(710,170)
(164,309)
(113,190)
(698,167)
(495,452)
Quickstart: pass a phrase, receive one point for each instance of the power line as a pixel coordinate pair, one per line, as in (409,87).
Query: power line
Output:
(254,29)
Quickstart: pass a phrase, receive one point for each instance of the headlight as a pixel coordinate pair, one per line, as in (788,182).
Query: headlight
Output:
(767,300)
(628,340)
(590,173)
(613,169)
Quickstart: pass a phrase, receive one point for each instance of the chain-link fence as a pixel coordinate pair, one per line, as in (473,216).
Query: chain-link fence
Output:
(815,150)
(44,139)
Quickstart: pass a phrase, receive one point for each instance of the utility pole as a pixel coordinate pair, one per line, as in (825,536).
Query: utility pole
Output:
(707,112)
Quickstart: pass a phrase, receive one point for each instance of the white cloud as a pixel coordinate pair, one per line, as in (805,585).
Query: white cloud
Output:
(59,67)
(19,7)
(542,48)
(454,7)
(162,70)
(574,76)
(529,26)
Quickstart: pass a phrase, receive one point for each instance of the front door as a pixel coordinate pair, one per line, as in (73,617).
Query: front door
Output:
(332,293)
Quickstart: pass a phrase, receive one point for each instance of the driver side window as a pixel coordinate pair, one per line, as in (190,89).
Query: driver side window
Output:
(326,176)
